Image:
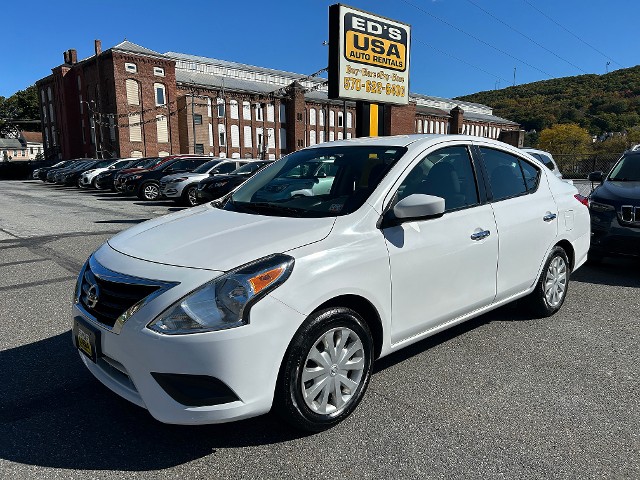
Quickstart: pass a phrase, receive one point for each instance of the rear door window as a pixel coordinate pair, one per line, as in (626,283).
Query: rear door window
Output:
(509,176)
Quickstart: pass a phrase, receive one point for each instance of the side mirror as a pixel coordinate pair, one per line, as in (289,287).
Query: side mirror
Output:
(414,207)
(596,177)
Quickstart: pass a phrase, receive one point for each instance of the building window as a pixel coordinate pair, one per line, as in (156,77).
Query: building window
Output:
(197,119)
(136,154)
(235,136)
(246,110)
(332,119)
(221,109)
(49,93)
(283,140)
(349,119)
(299,116)
(162,129)
(259,139)
(112,128)
(247,136)
(42,97)
(233,104)
(161,98)
(321,136)
(31,150)
(340,119)
(222,135)
(131,67)
(270,113)
(321,117)
(135,129)
(158,71)
(312,118)
(133,92)
(259,112)
(312,137)
(283,113)
(199,148)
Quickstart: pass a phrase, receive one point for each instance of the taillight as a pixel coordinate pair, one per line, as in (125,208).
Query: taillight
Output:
(582,199)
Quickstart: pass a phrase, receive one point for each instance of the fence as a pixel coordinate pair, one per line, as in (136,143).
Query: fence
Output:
(580,165)
(21,170)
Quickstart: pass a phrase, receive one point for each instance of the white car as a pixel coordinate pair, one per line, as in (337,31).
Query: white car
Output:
(546,158)
(228,310)
(87,178)
(183,187)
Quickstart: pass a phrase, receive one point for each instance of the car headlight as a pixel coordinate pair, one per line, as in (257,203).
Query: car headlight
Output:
(600,207)
(224,302)
(178,180)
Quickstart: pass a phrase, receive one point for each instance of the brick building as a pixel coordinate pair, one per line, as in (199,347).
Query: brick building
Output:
(129,101)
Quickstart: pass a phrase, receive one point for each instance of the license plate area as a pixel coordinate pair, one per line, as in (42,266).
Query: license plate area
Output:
(86,338)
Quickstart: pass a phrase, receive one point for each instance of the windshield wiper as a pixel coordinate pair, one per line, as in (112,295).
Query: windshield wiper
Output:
(295,212)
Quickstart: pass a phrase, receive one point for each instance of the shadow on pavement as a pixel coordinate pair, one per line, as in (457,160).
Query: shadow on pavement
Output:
(53,413)
(616,272)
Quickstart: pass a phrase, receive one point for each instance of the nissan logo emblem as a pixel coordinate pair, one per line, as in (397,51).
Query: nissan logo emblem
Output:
(93,295)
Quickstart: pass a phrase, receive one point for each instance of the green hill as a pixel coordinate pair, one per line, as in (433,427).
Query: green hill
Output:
(599,103)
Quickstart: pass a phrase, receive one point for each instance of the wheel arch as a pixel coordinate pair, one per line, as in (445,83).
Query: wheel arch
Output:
(568,248)
(366,310)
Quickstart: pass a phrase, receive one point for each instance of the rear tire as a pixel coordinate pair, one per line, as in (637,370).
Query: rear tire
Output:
(553,284)
(325,371)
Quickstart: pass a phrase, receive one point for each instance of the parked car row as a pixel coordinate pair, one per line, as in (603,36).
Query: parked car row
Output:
(175,177)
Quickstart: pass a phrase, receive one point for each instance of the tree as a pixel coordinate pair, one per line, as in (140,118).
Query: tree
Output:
(566,138)
(22,105)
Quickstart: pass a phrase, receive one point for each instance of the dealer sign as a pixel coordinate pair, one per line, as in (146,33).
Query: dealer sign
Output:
(368,56)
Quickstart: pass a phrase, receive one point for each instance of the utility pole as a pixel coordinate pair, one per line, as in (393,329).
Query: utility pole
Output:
(514,76)
(607,67)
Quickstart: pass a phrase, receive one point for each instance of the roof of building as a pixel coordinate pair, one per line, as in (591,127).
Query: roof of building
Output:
(241,66)
(436,112)
(323,97)
(13,143)
(480,117)
(32,137)
(127,46)
(216,81)
(464,105)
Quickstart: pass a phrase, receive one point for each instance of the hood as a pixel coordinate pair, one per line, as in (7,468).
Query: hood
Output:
(618,192)
(213,239)
(218,178)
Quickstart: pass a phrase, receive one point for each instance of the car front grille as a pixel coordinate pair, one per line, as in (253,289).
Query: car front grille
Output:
(107,298)
(630,214)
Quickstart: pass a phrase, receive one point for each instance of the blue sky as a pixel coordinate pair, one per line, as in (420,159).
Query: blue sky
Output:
(457,47)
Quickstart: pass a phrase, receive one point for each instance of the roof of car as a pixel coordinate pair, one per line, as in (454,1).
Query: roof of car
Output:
(400,140)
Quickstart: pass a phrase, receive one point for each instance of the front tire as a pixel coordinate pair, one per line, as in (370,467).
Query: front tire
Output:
(326,370)
(553,284)
(190,196)
(149,191)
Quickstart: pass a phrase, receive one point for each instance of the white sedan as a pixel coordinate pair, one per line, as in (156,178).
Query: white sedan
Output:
(231,309)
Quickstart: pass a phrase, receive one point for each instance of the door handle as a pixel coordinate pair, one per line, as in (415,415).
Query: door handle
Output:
(480,235)
(549,216)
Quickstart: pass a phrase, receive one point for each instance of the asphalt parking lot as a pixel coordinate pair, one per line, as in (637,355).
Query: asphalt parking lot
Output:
(502,396)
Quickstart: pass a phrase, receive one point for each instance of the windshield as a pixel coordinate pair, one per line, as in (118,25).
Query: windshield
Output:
(205,167)
(151,162)
(626,170)
(319,182)
(249,168)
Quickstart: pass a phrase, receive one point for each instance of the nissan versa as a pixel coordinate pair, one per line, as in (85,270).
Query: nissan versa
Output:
(233,308)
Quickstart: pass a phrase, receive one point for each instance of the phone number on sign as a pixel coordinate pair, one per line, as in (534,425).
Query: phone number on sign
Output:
(352,83)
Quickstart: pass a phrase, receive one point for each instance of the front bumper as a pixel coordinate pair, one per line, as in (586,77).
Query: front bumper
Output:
(172,190)
(609,236)
(246,359)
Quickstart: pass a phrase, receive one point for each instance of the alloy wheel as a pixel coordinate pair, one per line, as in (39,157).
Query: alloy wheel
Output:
(151,191)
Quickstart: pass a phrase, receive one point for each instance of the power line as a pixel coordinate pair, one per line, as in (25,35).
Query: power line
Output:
(570,32)
(457,58)
(476,38)
(526,36)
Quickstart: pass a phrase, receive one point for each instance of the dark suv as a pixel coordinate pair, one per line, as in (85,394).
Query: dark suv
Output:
(615,209)
(146,183)
(216,186)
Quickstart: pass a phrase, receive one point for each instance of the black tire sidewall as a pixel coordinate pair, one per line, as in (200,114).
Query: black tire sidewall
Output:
(289,401)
